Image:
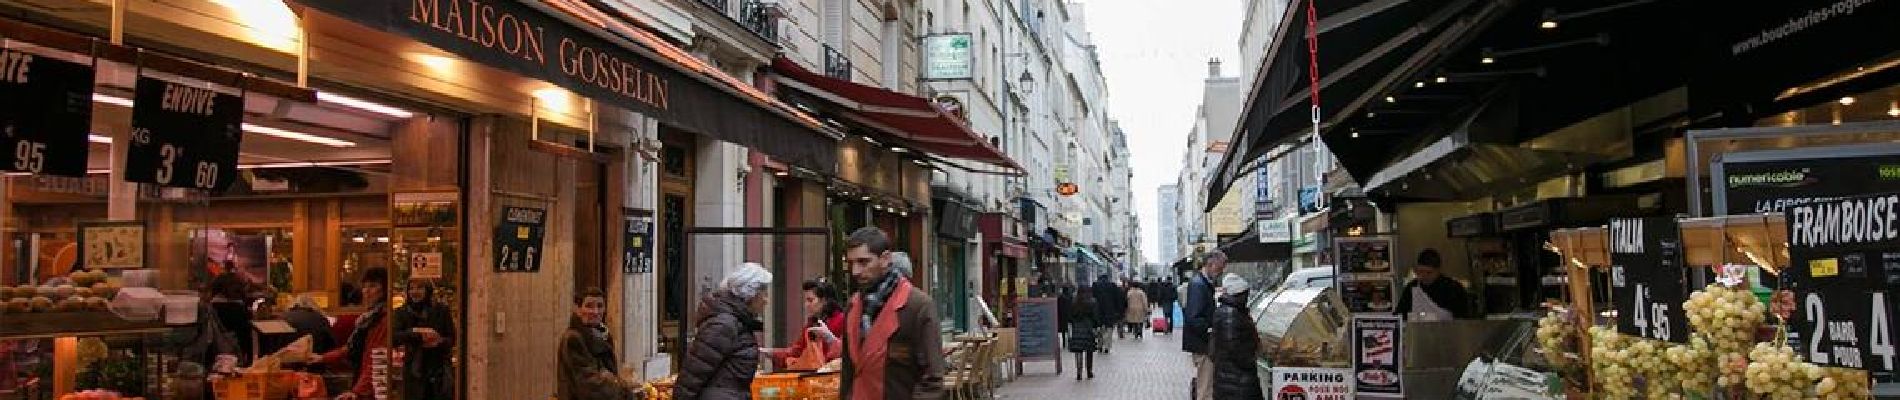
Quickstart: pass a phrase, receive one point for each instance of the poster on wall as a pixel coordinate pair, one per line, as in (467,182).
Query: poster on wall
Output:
(1375,356)
(112,245)
(183,135)
(220,251)
(1647,281)
(425,265)
(1841,268)
(1291,383)
(46,116)
(518,239)
(637,253)
(1364,268)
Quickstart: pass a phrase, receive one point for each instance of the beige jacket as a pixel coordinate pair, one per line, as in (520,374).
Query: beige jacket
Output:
(1137,306)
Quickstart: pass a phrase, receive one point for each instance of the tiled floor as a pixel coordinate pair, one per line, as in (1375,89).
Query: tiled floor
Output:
(1153,368)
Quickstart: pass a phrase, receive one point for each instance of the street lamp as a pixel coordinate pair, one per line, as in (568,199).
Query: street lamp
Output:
(1026,82)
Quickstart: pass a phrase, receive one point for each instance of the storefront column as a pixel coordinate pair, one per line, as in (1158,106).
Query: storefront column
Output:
(719,202)
(639,298)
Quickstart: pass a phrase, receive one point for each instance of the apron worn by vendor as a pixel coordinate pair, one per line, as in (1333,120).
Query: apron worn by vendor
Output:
(1426,309)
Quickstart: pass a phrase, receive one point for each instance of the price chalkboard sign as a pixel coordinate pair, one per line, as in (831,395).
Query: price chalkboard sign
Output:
(184,136)
(636,253)
(1646,278)
(1036,336)
(518,239)
(45,114)
(1843,255)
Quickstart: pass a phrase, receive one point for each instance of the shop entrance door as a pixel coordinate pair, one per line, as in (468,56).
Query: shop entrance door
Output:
(675,211)
(590,227)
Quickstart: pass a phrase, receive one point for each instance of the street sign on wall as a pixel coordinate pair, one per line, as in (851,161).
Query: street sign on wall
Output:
(947,56)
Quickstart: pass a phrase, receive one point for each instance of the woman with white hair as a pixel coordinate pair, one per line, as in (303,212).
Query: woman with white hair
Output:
(724,355)
(900,263)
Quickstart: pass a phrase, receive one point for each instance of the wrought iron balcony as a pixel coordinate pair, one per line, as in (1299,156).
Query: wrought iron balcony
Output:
(836,64)
(716,5)
(759,18)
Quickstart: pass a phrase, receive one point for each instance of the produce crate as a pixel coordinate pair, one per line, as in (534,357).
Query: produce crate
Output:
(820,386)
(255,386)
(789,386)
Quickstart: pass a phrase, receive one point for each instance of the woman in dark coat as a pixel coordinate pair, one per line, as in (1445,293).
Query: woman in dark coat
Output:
(1082,336)
(425,331)
(1235,345)
(724,355)
(587,354)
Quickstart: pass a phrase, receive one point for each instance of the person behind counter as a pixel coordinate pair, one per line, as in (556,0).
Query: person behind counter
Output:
(587,354)
(309,320)
(231,304)
(823,326)
(724,355)
(426,333)
(1235,344)
(1430,296)
(369,333)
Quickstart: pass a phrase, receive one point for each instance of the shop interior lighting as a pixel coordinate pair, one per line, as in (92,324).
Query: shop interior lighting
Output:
(1893,110)
(356,163)
(298,136)
(1441,79)
(1390,99)
(1355,134)
(899,150)
(1487,60)
(364,105)
(113,100)
(1547,24)
(100,139)
(781,173)
(1418,84)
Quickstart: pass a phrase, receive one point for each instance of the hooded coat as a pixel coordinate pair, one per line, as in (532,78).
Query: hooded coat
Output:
(1235,351)
(587,365)
(724,355)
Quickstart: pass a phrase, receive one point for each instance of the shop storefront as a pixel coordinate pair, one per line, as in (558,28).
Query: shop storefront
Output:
(1006,276)
(486,165)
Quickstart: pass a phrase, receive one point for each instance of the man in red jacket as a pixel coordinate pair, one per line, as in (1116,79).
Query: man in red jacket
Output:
(892,348)
(369,341)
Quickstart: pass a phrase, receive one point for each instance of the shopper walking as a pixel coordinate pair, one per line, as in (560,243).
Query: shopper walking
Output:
(724,355)
(587,354)
(892,347)
(1199,315)
(1166,293)
(426,333)
(1108,311)
(1136,316)
(824,328)
(1065,310)
(1235,347)
(1083,340)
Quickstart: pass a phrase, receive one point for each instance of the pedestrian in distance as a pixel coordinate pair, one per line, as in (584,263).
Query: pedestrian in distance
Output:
(587,358)
(725,355)
(1108,311)
(893,350)
(1084,337)
(1236,344)
(1065,310)
(1198,326)
(1136,316)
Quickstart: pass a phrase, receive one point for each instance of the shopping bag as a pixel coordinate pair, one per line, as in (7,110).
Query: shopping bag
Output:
(1160,324)
(810,360)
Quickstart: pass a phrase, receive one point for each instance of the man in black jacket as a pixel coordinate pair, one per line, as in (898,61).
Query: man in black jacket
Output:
(1110,302)
(1199,326)
(1446,293)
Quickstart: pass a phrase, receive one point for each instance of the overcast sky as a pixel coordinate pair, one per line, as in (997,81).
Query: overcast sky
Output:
(1155,54)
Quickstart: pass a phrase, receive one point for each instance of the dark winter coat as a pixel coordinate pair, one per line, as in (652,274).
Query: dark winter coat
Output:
(724,355)
(1198,314)
(1065,310)
(588,364)
(1108,303)
(1235,351)
(1082,332)
(309,322)
(426,372)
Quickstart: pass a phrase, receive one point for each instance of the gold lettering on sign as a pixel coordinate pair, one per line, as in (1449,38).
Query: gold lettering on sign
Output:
(481,23)
(186,99)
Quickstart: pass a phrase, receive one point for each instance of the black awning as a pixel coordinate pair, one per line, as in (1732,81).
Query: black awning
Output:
(1753,61)
(605,60)
(1248,248)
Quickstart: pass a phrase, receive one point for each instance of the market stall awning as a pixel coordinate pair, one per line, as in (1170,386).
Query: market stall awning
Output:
(1088,256)
(914,121)
(1248,248)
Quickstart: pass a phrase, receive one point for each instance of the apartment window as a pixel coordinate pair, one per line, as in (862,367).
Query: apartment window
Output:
(836,14)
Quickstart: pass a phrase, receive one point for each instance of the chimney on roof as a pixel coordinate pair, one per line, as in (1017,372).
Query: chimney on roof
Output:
(1213,67)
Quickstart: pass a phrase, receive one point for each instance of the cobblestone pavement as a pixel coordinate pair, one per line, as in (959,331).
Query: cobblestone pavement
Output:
(1152,368)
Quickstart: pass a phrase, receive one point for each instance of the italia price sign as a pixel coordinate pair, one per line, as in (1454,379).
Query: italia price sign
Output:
(45,116)
(1646,278)
(1843,255)
(184,136)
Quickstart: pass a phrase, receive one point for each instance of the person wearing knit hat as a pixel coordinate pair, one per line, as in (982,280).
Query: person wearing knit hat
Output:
(1235,344)
(724,355)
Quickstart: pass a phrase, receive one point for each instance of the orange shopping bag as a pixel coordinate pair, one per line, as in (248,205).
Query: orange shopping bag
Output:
(810,360)
(310,386)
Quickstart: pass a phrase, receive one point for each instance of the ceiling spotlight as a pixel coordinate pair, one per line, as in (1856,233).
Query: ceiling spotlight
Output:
(1370,114)
(1487,60)
(782,173)
(1355,134)
(1418,84)
(1548,24)
(1389,99)
(1440,79)
(1893,111)
(1847,101)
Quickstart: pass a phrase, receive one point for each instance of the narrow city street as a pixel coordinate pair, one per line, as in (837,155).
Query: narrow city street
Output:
(1151,368)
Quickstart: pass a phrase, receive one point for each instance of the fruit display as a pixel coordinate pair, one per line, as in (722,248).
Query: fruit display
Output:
(1609,363)
(1777,372)
(80,292)
(1553,331)
(1727,318)
(1694,366)
(1842,383)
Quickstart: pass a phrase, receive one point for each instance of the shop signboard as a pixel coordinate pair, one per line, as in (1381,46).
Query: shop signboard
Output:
(1365,273)
(1377,356)
(637,253)
(1275,230)
(45,115)
(1647,284)
(947,56)
(184,136)
(1840,258)
(1036,334)
(1770,181)
(518,239)
(1290,383)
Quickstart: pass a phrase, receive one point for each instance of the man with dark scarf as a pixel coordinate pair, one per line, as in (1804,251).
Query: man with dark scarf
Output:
(425,331)
(892,347)
(370,334)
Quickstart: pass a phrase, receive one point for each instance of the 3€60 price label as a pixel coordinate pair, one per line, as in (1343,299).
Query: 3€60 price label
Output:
(184,136)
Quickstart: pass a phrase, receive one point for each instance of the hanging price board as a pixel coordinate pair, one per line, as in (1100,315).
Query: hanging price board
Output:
(45,114)
(1646,278)
(518,239)
(184,136)
(1843,255)
(636,254)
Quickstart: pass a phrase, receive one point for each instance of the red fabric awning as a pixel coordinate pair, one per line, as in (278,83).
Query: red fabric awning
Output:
(916,121)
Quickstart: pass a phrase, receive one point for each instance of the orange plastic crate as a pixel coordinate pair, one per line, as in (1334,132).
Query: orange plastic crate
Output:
(789,386)
(255,386)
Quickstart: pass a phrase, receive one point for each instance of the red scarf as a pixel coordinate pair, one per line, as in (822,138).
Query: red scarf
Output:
(869,355)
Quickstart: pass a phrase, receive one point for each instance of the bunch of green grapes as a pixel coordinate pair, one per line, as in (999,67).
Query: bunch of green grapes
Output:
(1645,359)
(1552,330)
(1727,317)
(1609,363)
(1775,371)
(1694,366)
(1842,384)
